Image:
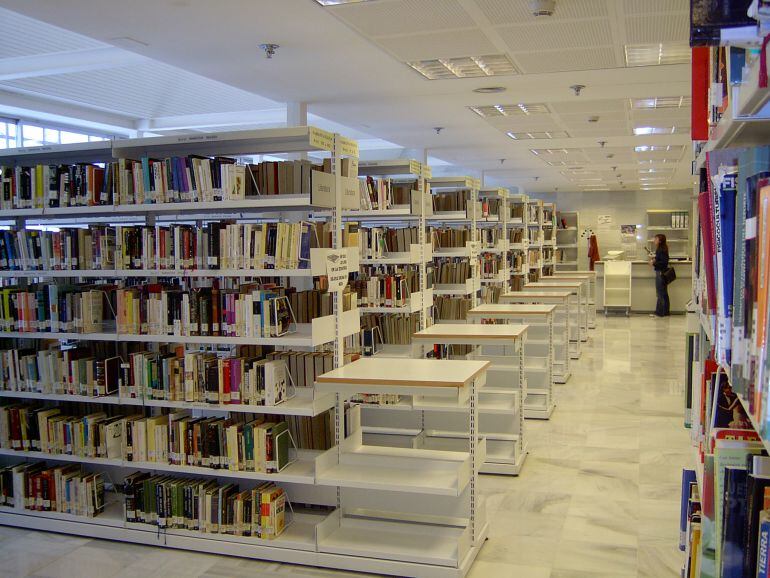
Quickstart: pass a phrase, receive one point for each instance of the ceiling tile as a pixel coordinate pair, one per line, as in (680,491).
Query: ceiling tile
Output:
(583,105)
(580,120)
(550,35)
(565,60)
(24,36)
(430,45)
(657,117)
(517,11)
(403,16)
(652,6)
(657,28)
(600,131)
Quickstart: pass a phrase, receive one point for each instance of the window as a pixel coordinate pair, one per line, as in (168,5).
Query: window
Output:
(7,133)
(37,135)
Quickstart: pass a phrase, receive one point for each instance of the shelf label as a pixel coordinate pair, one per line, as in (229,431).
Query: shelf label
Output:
(321,139)
(414,167)
(427,172)
(348,147)
(337,269)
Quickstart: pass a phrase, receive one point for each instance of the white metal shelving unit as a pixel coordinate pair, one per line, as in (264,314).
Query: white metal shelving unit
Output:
(617,286)
(472,286)
(591,277)
(502,246)
(568,241)
(437,524)
(404,510)
(575,310)
(675,225)
(561,322)
(538,351)
(583,294)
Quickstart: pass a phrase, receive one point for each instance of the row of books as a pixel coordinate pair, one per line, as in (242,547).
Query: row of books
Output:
(214,245)
(451,201)
(491,293)
(205,505)
(43,488)
(452,270)
(489,236)
(452,308)
(516,235)
(516,211)
(446,237)
(147,181)
(385,290)
(394,329)
(240,443)
(381,194)
(533,235)
(377,242)
(491,265)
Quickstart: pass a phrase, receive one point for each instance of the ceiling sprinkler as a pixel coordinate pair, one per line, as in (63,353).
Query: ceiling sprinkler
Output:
(438,129)
(269,49)
(576,88)
(502,161)
(602,143)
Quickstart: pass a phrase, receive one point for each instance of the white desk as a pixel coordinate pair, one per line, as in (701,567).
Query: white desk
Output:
(538,357)
(561,322)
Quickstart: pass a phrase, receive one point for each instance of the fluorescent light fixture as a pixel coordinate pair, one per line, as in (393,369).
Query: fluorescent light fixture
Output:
(521,109)
(464,67)
(655,54)
(661,102)
(646,130)
(537,135)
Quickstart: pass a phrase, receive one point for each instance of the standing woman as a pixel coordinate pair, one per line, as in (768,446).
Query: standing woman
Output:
(660,264)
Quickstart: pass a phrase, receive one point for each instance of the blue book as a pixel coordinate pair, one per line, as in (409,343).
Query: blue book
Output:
(688,477)
(762,544)
(725,257)
(733,522)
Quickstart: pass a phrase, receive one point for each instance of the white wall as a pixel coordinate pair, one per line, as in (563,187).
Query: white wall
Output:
(625,207)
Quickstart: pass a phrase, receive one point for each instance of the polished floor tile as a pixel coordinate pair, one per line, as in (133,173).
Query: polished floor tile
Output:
(598,496)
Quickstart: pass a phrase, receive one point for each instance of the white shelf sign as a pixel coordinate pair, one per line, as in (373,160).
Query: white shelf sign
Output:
(337,269)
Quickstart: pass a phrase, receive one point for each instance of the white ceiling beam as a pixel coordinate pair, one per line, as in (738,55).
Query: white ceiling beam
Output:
(70,61)
(272,116)
(31,106)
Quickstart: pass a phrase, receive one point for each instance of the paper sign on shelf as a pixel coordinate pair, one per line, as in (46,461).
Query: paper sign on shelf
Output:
(337,269)
(604,220)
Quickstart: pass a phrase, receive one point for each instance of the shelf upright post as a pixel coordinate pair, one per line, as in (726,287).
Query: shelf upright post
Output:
(475,243)
(339,401)
(506,243)
(424,187)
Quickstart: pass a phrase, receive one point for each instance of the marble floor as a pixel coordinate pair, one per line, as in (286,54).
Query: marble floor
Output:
(598,496)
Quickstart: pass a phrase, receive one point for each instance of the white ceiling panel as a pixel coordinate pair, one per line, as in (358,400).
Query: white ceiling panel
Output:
(24,36)
(580,120)
(581,104)
(430,45)
(548,34)
(657,28)
(600,132)
(388,18)
(661,115)
(517,11)
(565,60)
(652,6)
(540,122)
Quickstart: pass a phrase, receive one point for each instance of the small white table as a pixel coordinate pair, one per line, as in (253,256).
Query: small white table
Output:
(538,365)
(562,283)
(577,331)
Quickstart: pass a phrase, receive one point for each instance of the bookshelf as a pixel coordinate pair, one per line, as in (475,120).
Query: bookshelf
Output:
(519,239)
(576,326)
(404,205)
(590,276)
(456,242)
(584,293)
(369,525)
(537,359)
(567,241)
(495,244)
(346,483)
(675,225)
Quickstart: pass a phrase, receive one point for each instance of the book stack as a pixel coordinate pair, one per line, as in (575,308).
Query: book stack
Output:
(382,194)
(205,505)
(452,270)
(378,286)
(517,212)
(395,329)
(450,201)
(491,265)
(516,235)
(534,235)
(490,236)
(452,308)
(446,237)
(66,489)
(491,293)
(377,242)
(52,307)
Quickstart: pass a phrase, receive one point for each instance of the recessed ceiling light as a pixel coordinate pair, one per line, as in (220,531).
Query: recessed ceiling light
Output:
(537,135)
(520,109)
(645,130)
(654,54)
(464,67)
(490,89)
(661,102)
